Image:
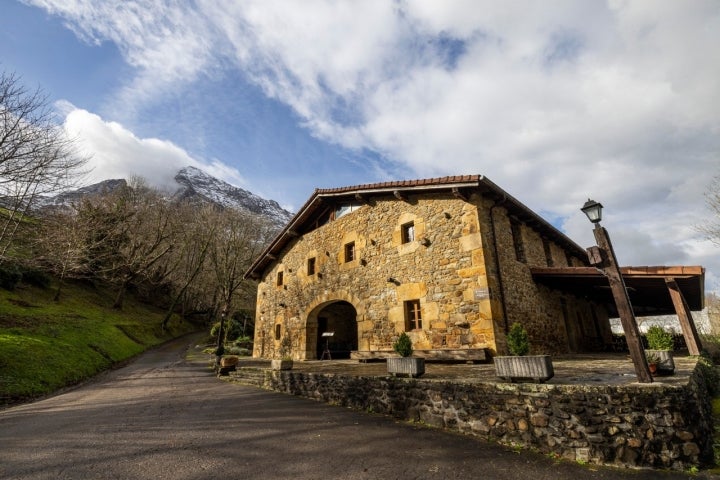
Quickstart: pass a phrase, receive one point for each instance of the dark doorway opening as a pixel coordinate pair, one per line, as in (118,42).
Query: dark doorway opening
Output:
(340,319)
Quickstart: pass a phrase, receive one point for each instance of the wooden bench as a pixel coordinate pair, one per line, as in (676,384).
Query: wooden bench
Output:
(468,355)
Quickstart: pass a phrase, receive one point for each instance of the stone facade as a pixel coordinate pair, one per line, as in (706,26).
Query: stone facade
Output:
(440,265)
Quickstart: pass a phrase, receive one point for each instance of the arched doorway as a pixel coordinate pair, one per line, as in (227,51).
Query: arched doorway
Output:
(340,319)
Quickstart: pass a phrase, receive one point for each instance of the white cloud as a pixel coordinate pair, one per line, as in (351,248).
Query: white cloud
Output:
(555,103)
(115,152)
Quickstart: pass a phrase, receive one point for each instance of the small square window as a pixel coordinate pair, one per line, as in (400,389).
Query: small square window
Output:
(408,232)
(311,266)
(349,252)
(279,279)
(413,315)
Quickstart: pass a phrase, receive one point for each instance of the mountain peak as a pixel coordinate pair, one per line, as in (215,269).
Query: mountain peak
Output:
(198,184)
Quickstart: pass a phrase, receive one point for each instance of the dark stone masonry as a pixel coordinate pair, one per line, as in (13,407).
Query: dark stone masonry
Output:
(656,425)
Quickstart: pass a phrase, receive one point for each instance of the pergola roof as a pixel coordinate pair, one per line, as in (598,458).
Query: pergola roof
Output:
(647,286)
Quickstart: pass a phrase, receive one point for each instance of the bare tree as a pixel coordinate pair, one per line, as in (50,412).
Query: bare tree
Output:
(712,198)
(36,157)
(195,235)
(239,239)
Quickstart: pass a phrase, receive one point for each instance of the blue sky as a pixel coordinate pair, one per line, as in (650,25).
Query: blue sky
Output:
(280,97)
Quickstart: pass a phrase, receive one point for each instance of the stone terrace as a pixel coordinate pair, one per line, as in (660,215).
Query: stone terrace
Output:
(590,369)
(593,410)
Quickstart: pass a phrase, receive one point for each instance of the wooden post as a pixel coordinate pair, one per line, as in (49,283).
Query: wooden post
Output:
(624,308)
(692,340)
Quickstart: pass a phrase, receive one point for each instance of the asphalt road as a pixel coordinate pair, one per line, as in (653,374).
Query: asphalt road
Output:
(167,417)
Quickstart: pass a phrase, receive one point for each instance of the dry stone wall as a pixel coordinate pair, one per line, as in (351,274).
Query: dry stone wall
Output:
(639,425)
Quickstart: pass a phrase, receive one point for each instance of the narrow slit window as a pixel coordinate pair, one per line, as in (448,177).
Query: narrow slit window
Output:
(349,252)
(408,232)
(279,279)
(518,242)
(311,266)
(413,315)
(278,331)
(548,252)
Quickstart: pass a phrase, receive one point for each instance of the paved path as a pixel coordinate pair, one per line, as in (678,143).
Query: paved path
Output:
(165,417)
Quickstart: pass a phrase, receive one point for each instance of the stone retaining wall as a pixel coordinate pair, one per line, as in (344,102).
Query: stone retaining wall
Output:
(638,425)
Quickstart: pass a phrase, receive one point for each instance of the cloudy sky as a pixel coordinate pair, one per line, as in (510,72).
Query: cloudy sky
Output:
(553,101)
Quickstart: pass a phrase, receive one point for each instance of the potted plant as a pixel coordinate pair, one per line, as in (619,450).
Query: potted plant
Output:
(519,365)
(660,344)
(285,361)
(652,361)
(405,364)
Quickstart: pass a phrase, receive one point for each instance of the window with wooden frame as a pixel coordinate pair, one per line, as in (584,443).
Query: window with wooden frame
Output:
(279,278)
(408,232)
(311,266)
(516,231)
(278,331)
(349,252)
(413,315)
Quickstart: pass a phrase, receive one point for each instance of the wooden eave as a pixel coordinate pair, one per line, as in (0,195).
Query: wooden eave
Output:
(460,186)
(647,286)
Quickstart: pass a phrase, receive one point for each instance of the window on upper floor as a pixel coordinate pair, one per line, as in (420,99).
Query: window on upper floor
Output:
(548,252)
(278,331)
(345,208)
(413,315)
(279,278)
(408,232)
(311,266)
(517,239)
(349,252)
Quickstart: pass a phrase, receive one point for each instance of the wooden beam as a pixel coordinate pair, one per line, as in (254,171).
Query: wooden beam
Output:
(624,307)
(458,194)
(692,340)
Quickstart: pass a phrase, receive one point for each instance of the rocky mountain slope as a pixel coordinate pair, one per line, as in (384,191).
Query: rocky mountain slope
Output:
(198,185)
(194,185)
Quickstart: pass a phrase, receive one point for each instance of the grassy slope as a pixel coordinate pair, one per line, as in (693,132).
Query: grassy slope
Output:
(45,345)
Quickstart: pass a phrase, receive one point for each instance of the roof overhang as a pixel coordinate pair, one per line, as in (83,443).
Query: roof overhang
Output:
(647,286)
(461,186)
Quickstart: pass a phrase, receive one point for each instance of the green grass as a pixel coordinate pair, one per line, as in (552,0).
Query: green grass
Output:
(46,345)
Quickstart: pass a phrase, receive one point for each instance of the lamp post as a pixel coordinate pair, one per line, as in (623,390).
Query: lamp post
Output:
(603,257)
(220,342)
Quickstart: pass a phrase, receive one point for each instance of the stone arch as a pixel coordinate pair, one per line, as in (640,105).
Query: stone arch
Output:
(337,312)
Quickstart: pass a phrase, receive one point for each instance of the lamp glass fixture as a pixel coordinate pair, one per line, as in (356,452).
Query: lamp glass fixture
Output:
(593,210)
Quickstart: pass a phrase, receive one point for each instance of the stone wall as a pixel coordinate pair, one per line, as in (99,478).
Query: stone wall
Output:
(470,289)
(638,425)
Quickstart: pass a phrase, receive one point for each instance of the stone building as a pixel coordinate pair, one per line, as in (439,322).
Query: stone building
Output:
(453,261)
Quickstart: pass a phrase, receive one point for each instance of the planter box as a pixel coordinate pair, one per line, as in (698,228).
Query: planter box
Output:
(537,368)
(412,366)
(281,364)
(666,365)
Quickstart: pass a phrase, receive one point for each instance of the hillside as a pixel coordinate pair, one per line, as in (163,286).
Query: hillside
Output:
(45,345)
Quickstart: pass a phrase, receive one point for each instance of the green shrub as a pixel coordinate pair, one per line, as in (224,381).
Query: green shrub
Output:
(518,340)
(403,345)
(659,339)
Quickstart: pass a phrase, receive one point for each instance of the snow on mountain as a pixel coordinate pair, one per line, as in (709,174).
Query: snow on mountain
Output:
(196,184)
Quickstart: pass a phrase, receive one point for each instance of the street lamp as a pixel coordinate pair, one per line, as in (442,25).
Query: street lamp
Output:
(593,210)
(607,262)
(220,350)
